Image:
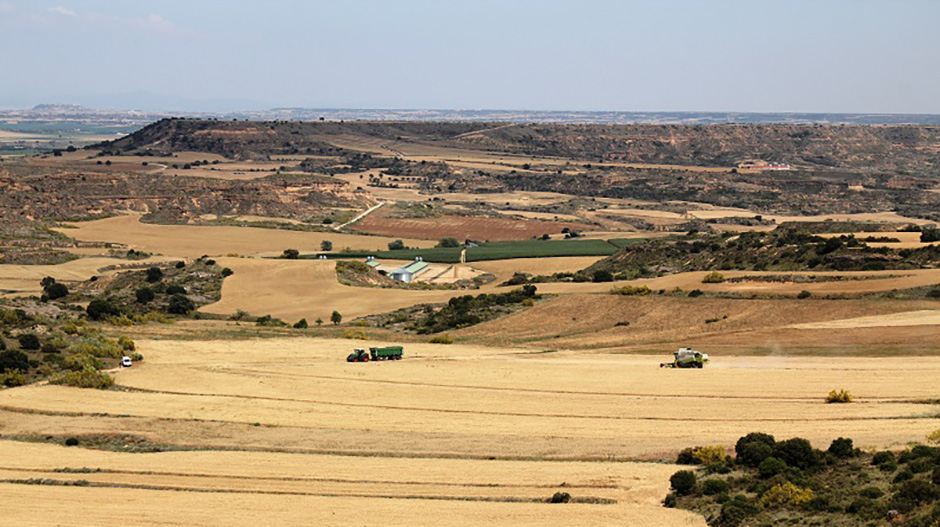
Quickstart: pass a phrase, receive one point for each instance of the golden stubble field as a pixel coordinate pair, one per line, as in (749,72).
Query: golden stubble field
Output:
(464,434)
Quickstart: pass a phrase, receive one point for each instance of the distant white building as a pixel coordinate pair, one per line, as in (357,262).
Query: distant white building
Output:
(408,272)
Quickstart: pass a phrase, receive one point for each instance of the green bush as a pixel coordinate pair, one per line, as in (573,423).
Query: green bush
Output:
(842,448)
(301,324)
(754,448)
(86,378)
(560,497)
(448,242)
(226,272)
(683,482)
(126,343)
(180,305)
(154,274)
(796,452)
(441,339)
(145,295)
(670,501)
(602,276)
(804,294)
(770,467)
(29,341)
(291,254)
(13,360)
(713,486)
(55,291)
(882,457)
(713,277)
(396,245)
(735,511)
(12,379)
(99,309)
(175,289)
(872,493)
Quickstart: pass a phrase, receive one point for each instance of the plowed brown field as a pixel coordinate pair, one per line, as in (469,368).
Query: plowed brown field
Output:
(463,227)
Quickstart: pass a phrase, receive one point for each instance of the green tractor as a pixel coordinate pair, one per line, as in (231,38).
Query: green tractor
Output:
(686,358)
(386,353)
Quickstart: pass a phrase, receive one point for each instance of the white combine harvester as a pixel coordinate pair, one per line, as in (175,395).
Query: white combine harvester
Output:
(686,358)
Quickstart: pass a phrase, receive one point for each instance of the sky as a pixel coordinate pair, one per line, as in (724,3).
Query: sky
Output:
(828,56)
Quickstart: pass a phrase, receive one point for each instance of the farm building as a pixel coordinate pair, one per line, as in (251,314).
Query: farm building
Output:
(408,272)
(372,262)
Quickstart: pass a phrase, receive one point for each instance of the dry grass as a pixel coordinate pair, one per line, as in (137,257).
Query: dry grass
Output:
(463,227)
(25,278)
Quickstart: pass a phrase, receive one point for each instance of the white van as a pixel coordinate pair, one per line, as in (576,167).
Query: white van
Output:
(125,361)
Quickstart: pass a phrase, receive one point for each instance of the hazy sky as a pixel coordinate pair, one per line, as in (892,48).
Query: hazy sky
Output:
(643,55)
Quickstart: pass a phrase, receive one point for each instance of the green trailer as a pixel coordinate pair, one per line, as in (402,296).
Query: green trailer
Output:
(383,353)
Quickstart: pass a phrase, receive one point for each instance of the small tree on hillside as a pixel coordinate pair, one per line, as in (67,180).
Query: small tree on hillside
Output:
(326,245)
(336,317)
(154,274)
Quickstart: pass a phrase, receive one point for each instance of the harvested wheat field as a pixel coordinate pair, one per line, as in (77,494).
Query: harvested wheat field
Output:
(193,241)
(463,227)
(466,433)
(26,278)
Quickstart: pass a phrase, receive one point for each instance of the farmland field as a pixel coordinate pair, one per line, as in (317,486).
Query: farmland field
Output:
(463,228)
(473,434)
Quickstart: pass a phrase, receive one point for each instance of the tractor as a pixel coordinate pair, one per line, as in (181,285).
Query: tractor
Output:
(386,353)
(686,358)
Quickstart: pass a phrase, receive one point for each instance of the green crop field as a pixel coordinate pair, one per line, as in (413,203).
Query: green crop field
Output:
(498,251)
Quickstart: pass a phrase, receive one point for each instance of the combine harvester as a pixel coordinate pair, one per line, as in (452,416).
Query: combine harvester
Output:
(686,358)
(386,353)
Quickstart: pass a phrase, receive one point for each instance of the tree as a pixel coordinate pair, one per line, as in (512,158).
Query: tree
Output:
(301,324)
(602,276)
(98,309)
(13,360)
(336,317)
(326,245)
(47,281)
(448,242)
(796,452)
(154,274)
(180,305)
(291,254)
(930,235)
(683,482)
(145,295)
(28,341)
(226,272)
(396,245)
(56,291)
(319,321)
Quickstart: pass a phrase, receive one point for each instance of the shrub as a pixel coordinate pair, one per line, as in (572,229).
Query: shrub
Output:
(934,437)
(872,493)
(930,235)
(326,245)
(181,264)
(301,324)
(357,334)
(145,295)
(448,242)
(126,343)
(55,291)
(804,294)
(686,457)
(13,360)
(269,321)
(396,245)
(443,338)
(736,510)
(629,290)
(713,277)
(713,486)
(882,457)
(786,494)
(291,254)
(602,276)
(71,442)
(154,274)
(226,272)
(770,467)
(98,309)
(840,396)
(136,357)
(336,317)
(86,378)
(560,497)
(904,475)
(175,289)
(708,455)
(796,452)
(917,491)
(695,293)
(28,341)
(670,500)
(754,448)
(842,448)
(180,305)
(683,482)
(12,379)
